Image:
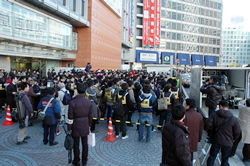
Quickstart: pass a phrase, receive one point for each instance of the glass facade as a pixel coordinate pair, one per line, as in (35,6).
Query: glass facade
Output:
(21,23)
(191,26)
(235,47)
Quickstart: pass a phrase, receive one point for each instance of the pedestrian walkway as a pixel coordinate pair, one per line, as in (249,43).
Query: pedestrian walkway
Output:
(122,152)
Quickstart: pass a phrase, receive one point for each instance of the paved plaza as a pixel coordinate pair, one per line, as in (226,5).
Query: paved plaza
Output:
(122,152)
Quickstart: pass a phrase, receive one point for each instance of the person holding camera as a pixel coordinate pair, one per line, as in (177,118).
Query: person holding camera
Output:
(28,112)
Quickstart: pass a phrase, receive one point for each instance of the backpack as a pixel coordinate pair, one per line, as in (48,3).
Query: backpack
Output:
(19,112)
(66,98)
(119,107)
(145,102)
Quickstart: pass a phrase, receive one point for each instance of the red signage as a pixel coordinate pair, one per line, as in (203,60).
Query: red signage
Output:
(152,23)
(158,23)
(145,22)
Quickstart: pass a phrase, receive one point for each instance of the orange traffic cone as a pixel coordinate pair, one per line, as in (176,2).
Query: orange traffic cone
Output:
(110,137)
(8,120)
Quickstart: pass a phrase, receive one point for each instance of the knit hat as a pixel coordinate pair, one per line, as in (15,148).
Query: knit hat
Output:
(62,85)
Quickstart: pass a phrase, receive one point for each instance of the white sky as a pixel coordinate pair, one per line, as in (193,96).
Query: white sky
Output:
(233,8)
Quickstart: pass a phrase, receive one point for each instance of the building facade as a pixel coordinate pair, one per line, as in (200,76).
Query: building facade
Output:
(44,34)
(187,27)
(235,47)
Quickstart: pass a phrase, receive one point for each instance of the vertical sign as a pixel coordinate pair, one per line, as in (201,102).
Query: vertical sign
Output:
(131,20)
(145,22)
(158,23)
(152,23)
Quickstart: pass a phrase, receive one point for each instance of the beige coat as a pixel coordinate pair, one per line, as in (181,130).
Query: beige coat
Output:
(244,120)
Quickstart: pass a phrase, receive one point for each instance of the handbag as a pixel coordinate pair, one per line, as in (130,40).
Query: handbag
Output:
(163,103)
(41,113)
(91,139)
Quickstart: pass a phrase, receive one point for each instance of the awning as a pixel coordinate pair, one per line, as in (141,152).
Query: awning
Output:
(210,60)
(184,59)
(147,56)
(164,54)
(197,60)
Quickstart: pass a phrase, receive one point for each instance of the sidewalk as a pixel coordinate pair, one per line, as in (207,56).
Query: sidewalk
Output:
(122,152)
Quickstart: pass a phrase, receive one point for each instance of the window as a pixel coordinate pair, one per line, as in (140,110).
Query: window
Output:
(82,3)
(62,2)
(173,25)
(174,36)
(179,37)
(174,15)
(179,26)
(73,5)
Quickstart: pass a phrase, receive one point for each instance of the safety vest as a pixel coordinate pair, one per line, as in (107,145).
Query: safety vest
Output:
(176,94)
(124,100)
(145,102)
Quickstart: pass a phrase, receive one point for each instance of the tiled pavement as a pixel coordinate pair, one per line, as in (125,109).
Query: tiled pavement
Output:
(121,152)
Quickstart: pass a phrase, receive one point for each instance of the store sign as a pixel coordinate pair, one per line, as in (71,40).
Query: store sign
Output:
(19,50)
(19,22)
(131,20)
(148,57)
(145,22)
(158,23)
(152,23)
(115,5)
(166,59)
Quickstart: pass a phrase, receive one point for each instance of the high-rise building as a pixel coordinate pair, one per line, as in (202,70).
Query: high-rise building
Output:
(187,27)
(235,47)
(43,34)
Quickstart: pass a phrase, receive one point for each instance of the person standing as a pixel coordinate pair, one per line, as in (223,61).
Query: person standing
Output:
(11,92)
(52,115)
(2,90)
(49,74)
(88,67)
(214,94)
(194,121)
(224,130)
(64,108)
(79,123)
(28,112)
(132,98)
(175,140)
(244,120)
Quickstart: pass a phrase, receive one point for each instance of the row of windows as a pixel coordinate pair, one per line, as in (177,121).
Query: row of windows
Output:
(239,43)
(73,6)
(237,37)
(235,47)
(189,28)
(236,33)
(236,53)
(235,57)
(189,47)
(190,18)
(206,3)
(191,9)
(237,61)
(189,38)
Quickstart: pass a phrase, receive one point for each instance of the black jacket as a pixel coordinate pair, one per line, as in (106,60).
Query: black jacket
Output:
(129,105)
(175,144)
(9,96)
(227,134)
(2,89)
(172,101)
(214,94)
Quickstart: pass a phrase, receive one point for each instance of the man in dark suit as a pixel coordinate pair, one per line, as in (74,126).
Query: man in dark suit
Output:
(49,74)
(79,122)
(11,92)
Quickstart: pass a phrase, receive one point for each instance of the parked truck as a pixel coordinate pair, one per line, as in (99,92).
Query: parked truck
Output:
(237,85)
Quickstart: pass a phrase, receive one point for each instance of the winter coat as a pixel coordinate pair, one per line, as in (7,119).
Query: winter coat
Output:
(2,89)
(129,105)
(9,96)
(175,144)
(92,97)
(227,134)
(32,95)
(26,104)
(151,104)
(244,120)
(194,121)
(88,67)
(64,108)
(80,116)
(53,112)
(177,90)
(172,101)
(131,95)
(110,101)
(214,94)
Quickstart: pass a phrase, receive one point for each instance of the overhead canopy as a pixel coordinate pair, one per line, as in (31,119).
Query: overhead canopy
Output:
(164,54)
(197,59)
(184,59)
(210,60)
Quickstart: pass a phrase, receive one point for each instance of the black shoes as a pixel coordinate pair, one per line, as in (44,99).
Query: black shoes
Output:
(27,137)
(84,163)
(76,163)
(54,143)
(23,142)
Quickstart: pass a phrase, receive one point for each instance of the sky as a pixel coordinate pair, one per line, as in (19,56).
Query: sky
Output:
(234,8)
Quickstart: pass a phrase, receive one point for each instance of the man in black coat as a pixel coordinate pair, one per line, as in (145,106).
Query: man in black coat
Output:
(79,123)
(2,90)
(224,130)
(49,75)
(214,94)
(175,140)
(11,92)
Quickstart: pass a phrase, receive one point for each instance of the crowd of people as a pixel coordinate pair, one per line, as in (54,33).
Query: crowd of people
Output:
(79,98)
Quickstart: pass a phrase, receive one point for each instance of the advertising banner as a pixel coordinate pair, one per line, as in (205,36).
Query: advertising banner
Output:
(131,20)
(145,22)
(152,23)
(158,23)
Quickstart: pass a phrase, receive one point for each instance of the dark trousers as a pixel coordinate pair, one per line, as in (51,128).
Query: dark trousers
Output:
(164,115)
(210,111)
(77,149)
(121,126)
(51,135)
(192,156)
(225,154)
(235,145)
(246,152)
(103,110)
(129,118)
(93,125)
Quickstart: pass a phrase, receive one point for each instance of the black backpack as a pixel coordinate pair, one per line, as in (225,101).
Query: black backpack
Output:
(119,108)
(66,98)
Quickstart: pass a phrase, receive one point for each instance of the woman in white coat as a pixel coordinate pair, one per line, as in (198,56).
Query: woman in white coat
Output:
(244,120)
